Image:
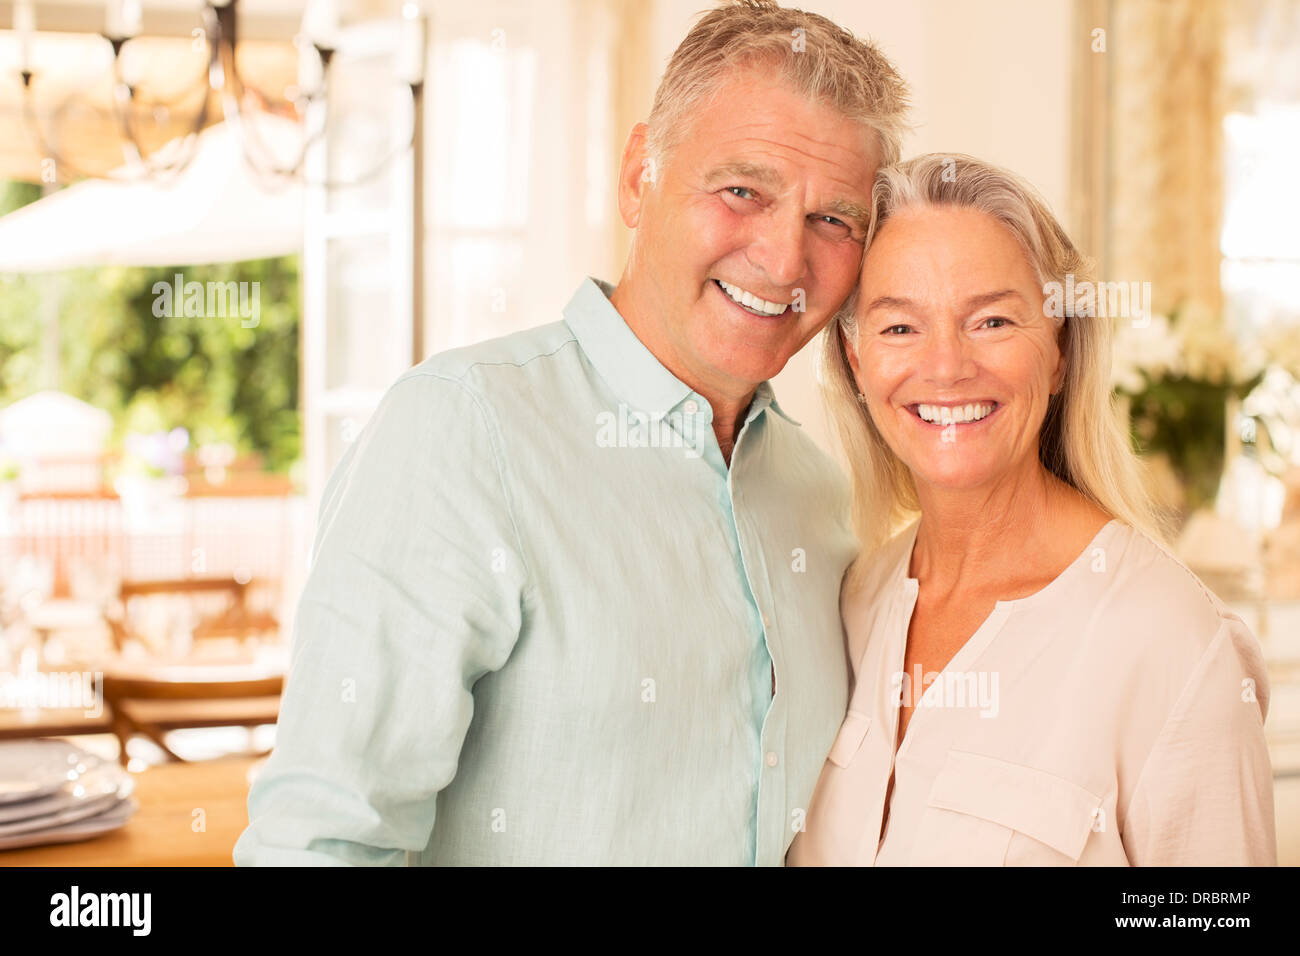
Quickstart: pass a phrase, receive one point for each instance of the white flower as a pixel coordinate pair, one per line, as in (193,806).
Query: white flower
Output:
(1152,347)
(1210,351)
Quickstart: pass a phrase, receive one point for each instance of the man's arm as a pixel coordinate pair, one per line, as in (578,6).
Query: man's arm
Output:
(414,593)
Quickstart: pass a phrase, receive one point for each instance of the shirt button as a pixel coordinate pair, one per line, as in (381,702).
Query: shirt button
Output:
(691,406)
(772,758)
(767,621)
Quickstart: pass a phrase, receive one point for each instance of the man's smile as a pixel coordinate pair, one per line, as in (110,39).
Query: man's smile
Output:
(750,302)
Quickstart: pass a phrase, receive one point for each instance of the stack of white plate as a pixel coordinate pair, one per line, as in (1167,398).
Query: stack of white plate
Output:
(54,792)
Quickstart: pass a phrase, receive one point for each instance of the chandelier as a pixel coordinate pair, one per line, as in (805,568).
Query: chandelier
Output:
(239,101)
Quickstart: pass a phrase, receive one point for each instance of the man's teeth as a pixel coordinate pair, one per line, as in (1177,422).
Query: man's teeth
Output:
(954,414)
(751,301)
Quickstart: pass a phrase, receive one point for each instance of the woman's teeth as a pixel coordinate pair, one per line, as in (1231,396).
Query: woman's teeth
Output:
(749,300)
(954,414)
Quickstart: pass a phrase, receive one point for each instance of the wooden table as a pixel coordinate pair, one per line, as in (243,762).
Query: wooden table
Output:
(161,833)
(18,724)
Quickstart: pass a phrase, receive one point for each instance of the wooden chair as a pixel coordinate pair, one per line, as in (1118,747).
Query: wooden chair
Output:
(235,620)
(152,706)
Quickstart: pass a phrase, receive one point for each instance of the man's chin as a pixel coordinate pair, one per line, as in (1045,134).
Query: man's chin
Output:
(753,361)
(755,368)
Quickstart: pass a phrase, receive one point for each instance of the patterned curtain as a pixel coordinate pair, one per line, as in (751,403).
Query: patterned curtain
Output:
(1167,90)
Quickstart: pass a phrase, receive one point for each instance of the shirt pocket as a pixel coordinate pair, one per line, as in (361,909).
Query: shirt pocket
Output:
(849,739)
(983,811)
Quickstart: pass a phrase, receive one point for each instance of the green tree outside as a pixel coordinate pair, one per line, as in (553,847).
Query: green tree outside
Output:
(209,374)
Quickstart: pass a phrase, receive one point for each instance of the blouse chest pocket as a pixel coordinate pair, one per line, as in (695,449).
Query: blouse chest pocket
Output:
(849,739)
(983,811)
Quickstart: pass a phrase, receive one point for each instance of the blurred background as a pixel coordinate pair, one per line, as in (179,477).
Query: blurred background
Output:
(225,228)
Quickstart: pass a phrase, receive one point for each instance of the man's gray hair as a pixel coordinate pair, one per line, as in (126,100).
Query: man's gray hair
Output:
(819,59)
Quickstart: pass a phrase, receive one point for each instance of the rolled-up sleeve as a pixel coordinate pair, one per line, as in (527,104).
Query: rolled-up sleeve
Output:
(415,592)
(1205,794)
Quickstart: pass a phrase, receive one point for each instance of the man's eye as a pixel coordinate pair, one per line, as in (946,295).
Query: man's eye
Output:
(831,226)
(996,319)
(737,190)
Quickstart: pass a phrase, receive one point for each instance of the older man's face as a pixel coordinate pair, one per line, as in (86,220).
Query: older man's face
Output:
(751,236)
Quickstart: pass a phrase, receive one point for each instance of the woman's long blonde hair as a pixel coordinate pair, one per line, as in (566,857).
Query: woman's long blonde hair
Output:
(1083,441)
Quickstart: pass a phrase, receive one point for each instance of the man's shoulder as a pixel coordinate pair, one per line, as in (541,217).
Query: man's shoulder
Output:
(461,387)
(516,350)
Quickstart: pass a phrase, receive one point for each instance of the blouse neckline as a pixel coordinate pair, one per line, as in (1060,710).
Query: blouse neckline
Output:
(1083,560)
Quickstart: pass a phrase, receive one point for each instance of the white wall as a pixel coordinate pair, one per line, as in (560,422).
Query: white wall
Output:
(991,79)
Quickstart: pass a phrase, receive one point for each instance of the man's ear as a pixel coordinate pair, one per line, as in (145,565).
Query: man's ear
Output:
(635,177)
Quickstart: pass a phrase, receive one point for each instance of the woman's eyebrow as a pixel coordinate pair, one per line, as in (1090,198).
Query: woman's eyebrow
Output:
(971,304)
(890,302)
(988,298)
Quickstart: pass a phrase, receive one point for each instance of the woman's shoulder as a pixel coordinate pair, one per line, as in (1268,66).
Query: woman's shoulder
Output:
(1138,573)
(1151,601)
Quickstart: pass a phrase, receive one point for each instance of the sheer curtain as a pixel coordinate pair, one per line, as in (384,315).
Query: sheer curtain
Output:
(525,109)
(523,144)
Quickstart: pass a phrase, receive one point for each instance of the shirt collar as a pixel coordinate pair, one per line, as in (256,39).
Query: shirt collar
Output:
(627,366)
(765,396)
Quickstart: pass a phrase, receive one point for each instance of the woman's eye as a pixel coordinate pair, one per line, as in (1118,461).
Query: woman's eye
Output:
(898,330)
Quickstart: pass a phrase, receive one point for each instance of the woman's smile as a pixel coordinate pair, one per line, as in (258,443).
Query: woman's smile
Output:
(962,414)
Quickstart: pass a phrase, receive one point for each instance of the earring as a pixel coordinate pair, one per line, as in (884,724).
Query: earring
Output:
(862,398)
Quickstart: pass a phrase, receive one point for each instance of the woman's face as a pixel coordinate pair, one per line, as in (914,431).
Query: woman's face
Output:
(954,354)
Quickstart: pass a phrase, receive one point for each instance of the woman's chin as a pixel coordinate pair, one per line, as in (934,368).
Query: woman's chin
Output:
(955,479)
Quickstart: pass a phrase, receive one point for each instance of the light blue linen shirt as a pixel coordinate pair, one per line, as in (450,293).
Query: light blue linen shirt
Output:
(544,618)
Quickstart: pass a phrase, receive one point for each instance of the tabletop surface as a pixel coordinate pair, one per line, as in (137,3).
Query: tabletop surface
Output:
(190,814)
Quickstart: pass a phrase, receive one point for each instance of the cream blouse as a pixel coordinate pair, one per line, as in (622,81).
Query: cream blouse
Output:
(1116,717)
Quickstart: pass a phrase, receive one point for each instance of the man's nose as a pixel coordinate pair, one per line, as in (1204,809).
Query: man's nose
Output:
(779,249)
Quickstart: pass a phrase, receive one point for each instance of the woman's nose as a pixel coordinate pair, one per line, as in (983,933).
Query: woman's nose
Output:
(947,356)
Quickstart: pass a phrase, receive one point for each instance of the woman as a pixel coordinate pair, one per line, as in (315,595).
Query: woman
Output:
(1036,680)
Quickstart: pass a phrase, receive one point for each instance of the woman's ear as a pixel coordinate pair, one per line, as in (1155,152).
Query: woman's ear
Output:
(1062,359)
(849,342)
(636,176)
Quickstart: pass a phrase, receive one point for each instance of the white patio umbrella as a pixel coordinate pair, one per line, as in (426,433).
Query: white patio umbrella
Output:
(217,210)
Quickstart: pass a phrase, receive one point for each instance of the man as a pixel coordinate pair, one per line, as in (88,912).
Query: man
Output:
(574,597)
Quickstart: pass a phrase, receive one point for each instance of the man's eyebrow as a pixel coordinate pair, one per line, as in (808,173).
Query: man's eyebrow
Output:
(973,303)
(850,210)
(770,177)
(763,174)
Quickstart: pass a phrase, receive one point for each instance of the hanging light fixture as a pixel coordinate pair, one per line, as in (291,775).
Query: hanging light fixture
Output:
(219,35)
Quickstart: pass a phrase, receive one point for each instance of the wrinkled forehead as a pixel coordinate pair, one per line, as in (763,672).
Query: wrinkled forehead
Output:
(769,117)
(945,257)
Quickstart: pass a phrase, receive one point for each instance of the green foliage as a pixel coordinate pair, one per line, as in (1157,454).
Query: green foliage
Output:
(1185,418)
(207,373)
(14,194)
